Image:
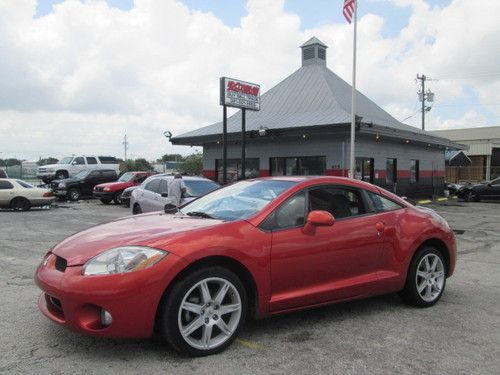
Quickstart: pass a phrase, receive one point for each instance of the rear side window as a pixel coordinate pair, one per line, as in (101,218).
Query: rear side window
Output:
(383,204)
(108,160)
(24,184)
(109,173)
(339,201)
(140,178)
(5,185)
(153,185)
(91,161)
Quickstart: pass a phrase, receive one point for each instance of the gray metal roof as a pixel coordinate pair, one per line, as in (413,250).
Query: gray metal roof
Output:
(312,42)
(311,96)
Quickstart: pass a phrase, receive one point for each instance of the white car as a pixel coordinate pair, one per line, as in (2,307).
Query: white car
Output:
(152,194)
(21,196)
(71,165)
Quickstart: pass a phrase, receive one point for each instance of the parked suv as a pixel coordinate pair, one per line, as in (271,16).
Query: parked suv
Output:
(112,191)
(71,165)
(82,183)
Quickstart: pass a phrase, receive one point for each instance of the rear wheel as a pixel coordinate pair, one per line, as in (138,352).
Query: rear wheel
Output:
(426,278)
(117,198)
(74,194)
(136,210)
(20,204)
(472,196)
(203,312)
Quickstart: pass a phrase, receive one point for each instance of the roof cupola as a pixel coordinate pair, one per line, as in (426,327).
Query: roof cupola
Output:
(314,52)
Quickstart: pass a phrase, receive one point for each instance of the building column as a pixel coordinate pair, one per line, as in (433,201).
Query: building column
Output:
(488,167)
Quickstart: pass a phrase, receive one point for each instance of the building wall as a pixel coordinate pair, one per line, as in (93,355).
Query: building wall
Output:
(336,151)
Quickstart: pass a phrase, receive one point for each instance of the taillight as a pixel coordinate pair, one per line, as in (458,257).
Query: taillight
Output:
(48,194)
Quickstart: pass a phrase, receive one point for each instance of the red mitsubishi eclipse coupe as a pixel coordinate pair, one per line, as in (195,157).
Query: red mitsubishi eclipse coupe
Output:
(254,248)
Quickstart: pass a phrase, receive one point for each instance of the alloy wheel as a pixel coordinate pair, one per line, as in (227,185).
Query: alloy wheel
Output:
(430,277)
(209,313)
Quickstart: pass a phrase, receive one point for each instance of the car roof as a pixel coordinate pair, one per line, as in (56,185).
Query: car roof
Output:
(185,178)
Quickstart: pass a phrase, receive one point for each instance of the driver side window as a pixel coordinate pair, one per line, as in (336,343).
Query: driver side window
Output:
(290,214)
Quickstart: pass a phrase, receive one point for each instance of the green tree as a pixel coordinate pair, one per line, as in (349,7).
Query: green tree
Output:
(193,164)
(46,161)
(171,157)
(140,164)
(10,162)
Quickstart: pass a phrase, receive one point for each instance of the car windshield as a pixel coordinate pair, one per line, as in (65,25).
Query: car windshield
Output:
(238,201)
(66,160)
(81,175)
(126,177)
(199,188)
(24,184)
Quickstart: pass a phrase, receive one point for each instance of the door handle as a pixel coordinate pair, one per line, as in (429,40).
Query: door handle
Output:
(380,228)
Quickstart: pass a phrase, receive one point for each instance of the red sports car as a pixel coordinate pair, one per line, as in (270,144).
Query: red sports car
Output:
(112,191)
(254,248)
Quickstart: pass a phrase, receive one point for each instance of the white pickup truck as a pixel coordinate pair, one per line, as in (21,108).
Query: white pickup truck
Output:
(71,165)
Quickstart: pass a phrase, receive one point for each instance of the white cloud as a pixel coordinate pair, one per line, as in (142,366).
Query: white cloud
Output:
(79,78)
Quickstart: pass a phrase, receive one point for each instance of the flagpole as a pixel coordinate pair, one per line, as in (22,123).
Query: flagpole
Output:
(353,99)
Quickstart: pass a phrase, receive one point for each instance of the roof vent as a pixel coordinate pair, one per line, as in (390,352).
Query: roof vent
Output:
(314,52)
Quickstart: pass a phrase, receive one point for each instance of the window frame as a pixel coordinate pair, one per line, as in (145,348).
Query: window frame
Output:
(88,159)
(415,174)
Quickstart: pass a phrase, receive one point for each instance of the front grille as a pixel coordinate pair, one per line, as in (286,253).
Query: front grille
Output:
(42,170)
(54,305)
(61,264)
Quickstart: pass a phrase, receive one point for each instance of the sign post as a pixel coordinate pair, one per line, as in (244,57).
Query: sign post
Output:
(238,94)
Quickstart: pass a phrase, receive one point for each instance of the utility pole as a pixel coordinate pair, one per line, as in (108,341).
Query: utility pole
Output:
(423,96)
(125,145)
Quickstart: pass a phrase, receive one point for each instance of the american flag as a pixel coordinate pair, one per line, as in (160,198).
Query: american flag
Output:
(349,6)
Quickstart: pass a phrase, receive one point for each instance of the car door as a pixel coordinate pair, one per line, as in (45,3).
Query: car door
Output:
(332,263)
(147,196)
(6,192)
(78,164)
(159,202)
(93,179)
(491,190)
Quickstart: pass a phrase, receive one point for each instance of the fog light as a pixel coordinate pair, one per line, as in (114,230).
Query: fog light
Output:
(106,318)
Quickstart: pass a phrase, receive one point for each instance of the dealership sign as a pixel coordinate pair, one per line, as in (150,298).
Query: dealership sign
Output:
(240,94)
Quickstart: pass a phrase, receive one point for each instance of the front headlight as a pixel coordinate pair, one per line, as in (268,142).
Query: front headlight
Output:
(123,259)
(61,185)
(106,189)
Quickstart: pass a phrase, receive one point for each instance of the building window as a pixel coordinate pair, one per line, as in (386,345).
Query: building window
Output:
(252,169)
(364,169)
(391,171)
(414,171)
(298,166)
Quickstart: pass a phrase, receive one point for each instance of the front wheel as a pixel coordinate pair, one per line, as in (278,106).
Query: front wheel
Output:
(471,196)
(204,311)
(74,194)
(136,210)
(426,278)
(117,198)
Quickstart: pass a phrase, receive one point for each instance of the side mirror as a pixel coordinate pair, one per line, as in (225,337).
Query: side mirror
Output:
(318,218)
(171,209)
(164,194)
(73,163)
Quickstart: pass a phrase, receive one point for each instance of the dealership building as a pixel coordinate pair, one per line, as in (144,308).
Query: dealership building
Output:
(303,128)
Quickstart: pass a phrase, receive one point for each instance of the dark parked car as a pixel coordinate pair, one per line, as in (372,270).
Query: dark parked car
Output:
(486,190)
(82,183)
(3,174)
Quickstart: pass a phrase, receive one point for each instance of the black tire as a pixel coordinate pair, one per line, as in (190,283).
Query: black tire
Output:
(170,316)
(410,294)
(117,198)
(136,210)
(20,204)
(105,201)
(471,196)
(73,194)
(61,175)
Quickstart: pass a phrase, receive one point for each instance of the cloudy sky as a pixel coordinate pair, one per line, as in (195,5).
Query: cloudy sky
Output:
(75,76)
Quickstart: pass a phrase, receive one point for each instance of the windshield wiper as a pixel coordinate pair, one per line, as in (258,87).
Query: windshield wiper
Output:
(200,214)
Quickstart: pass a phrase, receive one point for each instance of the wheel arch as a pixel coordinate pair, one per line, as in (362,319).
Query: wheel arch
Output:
(62,170)
(19,197)
(440,246)
(223,261)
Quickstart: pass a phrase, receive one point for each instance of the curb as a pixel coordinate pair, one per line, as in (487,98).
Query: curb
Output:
(440,199)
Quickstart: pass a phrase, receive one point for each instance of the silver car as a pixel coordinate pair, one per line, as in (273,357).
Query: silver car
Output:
(152,194)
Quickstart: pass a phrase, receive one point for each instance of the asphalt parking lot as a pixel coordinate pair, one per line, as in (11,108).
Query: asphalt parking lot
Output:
(460,335)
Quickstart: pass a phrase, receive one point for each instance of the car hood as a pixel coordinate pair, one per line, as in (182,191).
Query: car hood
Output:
(116,185)
(139,230)
(65,180)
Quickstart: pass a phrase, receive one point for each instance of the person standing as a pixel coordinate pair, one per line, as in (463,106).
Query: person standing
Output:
(176,188)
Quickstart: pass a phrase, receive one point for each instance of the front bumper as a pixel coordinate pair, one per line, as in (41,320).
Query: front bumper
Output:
(103,194)
(60,193)
(132,299)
